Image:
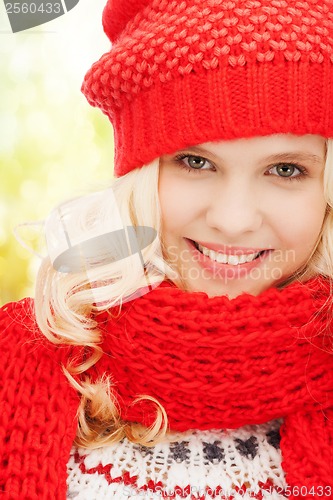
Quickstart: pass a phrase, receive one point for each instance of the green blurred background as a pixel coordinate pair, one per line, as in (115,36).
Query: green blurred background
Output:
(53,145)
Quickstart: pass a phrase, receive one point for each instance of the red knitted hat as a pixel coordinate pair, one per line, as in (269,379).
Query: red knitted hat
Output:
(184,72)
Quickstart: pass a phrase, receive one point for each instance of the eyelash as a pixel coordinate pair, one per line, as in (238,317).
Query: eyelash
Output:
(181,157)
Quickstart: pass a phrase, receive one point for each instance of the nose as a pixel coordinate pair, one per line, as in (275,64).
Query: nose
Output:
(234,210)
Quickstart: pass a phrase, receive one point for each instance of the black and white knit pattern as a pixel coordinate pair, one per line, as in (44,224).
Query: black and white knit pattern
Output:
(205,465)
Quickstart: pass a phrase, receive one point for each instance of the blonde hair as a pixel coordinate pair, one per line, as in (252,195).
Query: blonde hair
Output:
(64,303)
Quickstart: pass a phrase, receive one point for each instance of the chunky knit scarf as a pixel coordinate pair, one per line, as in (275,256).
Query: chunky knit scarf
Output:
(220,363)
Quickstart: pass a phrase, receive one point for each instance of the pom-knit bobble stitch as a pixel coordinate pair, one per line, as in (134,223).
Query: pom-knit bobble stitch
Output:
(221,48)
(118,13)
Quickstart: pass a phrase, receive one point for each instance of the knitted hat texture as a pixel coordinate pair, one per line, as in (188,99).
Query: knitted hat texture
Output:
(185,72)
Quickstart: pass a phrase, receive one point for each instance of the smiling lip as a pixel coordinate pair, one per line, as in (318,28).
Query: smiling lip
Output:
(228,250)
(226,271)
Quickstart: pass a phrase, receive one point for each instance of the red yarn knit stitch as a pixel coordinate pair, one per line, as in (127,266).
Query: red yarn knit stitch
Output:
(220,363)
(188,72)
(210,362)
(38,410)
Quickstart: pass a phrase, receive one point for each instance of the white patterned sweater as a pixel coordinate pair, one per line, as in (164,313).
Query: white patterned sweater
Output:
(197,465)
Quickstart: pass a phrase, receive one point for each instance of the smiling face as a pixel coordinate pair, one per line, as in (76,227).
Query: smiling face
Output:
(242,215)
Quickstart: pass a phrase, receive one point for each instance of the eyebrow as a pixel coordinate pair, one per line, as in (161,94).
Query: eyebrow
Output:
(298,155)
(292,156)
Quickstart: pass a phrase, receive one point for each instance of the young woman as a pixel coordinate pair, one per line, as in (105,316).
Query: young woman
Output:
(180,341)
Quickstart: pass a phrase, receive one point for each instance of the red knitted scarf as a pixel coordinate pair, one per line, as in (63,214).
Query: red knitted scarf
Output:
(220,363)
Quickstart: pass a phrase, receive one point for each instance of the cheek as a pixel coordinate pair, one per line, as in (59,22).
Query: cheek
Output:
(171,209)
(179,203)
(302,221)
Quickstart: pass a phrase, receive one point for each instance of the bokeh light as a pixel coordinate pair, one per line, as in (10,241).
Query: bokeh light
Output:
(53,145)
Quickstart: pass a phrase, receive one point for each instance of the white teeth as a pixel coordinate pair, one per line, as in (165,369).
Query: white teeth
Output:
(222,258)
(242,259)
(233,260)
